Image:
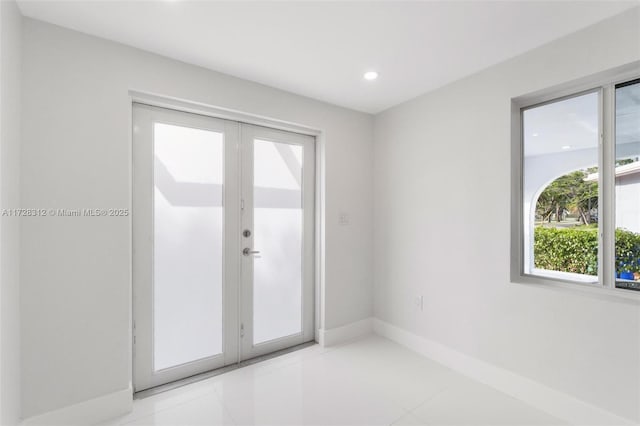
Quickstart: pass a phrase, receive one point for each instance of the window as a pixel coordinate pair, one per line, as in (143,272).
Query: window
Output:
(627,184)
(578,176)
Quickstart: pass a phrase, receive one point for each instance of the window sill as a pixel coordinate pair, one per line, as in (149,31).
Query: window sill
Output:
(565,276)
(563,281)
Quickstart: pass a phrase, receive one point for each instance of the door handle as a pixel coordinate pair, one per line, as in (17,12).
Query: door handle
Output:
(247,251)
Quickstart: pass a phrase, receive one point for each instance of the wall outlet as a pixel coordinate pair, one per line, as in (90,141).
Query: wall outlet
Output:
(419,302)
(343,219)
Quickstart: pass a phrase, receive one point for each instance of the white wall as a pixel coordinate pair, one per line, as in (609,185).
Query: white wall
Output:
(10,89)
(76,153)
(628,202)
(441,219)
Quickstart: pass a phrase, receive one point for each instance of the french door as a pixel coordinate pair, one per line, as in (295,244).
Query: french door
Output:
(223,227)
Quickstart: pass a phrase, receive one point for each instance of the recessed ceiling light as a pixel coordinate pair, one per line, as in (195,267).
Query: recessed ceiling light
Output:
(535,135)
(566,147)
(370,75)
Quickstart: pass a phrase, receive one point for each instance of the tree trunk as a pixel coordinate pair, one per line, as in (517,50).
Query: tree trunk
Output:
(585,220)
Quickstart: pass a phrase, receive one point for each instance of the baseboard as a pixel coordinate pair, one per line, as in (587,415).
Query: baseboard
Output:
(346,333)
(544,398)
(89,412)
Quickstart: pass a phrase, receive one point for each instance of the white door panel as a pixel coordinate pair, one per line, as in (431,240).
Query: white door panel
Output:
(277,283)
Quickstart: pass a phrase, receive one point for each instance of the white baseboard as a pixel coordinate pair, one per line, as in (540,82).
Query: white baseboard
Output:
(85,413)
(544,398)
(346,333)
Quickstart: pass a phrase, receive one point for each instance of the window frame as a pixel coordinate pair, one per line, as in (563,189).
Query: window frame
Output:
(605,85)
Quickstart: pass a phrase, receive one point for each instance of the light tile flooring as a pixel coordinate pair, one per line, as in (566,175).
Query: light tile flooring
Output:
(369,382)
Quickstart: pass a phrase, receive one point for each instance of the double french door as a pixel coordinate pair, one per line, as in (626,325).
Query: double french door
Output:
(223,227)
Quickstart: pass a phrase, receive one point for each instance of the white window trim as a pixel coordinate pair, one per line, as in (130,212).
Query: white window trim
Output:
(604,83)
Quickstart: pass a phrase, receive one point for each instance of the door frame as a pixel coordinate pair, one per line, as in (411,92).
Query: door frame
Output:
(181,105)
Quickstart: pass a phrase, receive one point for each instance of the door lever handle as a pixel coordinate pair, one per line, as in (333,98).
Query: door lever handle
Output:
(247,251)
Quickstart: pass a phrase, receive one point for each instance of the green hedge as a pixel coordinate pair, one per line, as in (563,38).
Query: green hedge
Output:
(627,251)
(576,250)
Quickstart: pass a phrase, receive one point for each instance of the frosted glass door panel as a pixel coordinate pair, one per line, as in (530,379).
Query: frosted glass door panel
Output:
(277,273)
(188,245)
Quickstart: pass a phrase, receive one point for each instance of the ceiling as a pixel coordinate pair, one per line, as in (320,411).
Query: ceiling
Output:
(321,49)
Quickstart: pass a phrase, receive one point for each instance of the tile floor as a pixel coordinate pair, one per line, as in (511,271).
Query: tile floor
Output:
(369,382)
